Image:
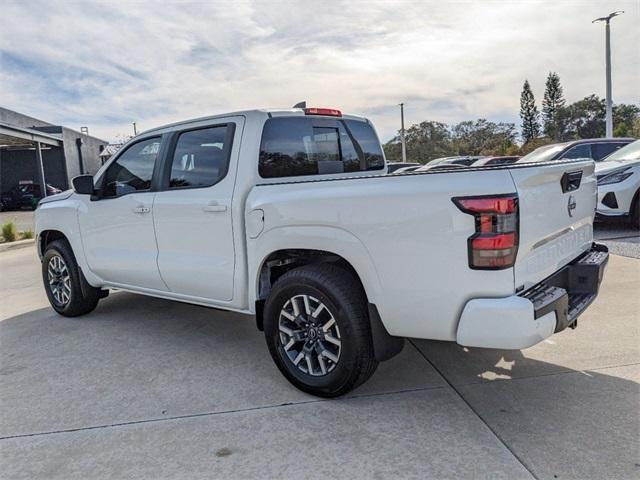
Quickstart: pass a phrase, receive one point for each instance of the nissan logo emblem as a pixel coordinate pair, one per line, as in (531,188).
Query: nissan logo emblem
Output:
(571,205)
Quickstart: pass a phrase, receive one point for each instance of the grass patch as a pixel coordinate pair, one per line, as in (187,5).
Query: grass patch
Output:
(9,231)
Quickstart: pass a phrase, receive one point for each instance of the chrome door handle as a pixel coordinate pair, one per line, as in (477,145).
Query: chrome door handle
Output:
(141,210)
(214,207)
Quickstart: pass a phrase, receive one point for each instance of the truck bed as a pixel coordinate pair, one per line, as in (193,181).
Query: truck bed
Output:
(405,232)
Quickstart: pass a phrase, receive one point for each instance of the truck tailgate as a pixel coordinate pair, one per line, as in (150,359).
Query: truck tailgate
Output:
(557,204)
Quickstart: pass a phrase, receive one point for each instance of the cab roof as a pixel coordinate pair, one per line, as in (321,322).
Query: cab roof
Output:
(270,112)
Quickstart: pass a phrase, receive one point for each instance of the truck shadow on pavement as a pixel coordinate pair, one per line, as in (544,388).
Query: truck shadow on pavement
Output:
(562,422)
(139,358)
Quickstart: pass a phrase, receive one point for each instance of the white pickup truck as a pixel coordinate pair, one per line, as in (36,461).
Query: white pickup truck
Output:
(290,215)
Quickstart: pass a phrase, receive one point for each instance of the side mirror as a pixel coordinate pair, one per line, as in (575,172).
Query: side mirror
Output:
(83,184)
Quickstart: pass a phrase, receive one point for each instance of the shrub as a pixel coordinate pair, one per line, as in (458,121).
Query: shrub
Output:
(27,234)
(9,231)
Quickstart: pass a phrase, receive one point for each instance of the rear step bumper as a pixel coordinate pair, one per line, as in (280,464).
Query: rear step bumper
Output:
(569,291)
(552,305)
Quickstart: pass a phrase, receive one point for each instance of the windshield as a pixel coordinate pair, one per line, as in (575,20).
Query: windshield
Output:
(627,153)
(543,154)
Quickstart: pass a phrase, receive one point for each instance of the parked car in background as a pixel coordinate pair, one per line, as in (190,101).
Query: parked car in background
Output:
(491,161)
(619,184)
(24,196)
(393,166)
(409,169)
(464,160)
(440,166)
(594,148)
(449,162)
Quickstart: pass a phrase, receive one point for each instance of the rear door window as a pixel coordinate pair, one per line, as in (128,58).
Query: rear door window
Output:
(201,157)
(296,146)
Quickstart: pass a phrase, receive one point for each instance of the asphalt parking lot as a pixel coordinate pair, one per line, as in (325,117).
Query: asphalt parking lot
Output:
(146,388)
(620,237)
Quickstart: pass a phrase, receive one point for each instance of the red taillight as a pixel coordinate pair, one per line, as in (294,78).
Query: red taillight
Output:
(494,245)
(494,242)
(488,204)
(330,112)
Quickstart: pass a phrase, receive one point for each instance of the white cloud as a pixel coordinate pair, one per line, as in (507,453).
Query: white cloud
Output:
(107,64)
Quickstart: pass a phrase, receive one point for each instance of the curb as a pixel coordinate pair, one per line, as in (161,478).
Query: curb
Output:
(17,244)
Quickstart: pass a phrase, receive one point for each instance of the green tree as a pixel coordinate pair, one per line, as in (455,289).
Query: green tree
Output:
(392,150)
(425,141)
(482,137)
(552,103)
(624,117)
(635,128)
(584,119)
(528,114)
(532,145)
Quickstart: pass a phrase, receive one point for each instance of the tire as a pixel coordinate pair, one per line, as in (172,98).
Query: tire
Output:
(326,349)
(68,291)
(634,214)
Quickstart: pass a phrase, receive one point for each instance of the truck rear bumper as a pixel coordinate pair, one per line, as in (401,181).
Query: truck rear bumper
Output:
(522,320)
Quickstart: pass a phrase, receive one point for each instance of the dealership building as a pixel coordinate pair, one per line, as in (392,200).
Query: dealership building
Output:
(38,152)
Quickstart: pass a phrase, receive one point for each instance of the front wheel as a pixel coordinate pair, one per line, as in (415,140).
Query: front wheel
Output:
(317,329)
(68,291)
(634,213)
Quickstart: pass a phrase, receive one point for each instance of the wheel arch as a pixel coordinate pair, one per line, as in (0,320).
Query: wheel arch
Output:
(281,249)
(47,236)
(308,244)
(277,263)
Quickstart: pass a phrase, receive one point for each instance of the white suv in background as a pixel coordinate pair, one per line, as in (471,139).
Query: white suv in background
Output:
(619,184)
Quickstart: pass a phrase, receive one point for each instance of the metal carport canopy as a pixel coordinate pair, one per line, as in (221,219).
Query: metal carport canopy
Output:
(20,137)
(13,136)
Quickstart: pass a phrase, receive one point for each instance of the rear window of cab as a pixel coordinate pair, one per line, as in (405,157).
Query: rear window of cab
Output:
(296,146)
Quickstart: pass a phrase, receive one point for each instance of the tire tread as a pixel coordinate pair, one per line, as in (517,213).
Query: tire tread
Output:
(84,298)
(351,297)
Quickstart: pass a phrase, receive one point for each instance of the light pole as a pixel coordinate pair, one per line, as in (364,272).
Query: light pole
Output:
(402,139)
(609,101)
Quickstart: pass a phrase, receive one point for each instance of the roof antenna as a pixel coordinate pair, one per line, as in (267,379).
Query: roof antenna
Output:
(300,105)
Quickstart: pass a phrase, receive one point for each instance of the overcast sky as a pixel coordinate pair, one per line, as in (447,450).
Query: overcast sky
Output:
(105,65)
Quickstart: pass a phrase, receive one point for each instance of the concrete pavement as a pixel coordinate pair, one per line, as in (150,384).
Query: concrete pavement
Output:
(146,388)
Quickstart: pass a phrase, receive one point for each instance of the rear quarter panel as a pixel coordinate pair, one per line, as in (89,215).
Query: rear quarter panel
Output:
(402,234)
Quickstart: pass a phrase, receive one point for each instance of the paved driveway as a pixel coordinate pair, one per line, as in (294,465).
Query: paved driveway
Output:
(621,238)
(146,388)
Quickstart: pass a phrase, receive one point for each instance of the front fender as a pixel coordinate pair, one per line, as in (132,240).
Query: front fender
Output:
(62,216)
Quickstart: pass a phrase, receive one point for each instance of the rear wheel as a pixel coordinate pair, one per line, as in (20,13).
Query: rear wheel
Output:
(318,332)
(68,291)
